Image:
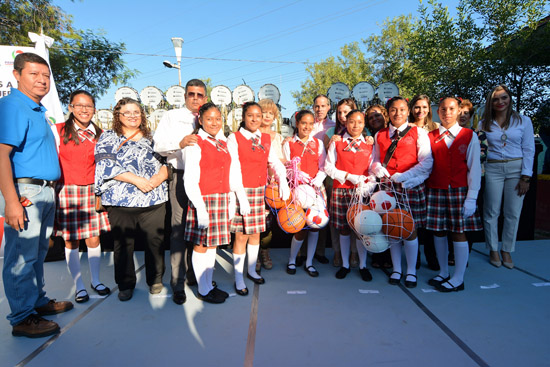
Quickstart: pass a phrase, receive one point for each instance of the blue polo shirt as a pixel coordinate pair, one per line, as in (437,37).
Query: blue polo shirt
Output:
(23,125)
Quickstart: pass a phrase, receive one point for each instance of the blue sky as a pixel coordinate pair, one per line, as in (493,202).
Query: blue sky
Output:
(294,31)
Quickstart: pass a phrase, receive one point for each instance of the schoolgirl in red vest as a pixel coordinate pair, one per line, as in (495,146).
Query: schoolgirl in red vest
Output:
(312,162)
(210,175)
(76,217)
(452,192)
(348,162)
(409,166)
(252,150)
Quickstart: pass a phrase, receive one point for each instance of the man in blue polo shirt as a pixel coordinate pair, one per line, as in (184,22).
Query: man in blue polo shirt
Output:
(28,169)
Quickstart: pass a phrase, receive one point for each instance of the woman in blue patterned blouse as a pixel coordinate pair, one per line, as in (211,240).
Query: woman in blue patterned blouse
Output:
(131,179)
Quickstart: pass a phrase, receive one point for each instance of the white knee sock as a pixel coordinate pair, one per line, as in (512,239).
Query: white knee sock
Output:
(442,253)
(238,265)
(252,253)
(395,251)
(294,249)
(211,254)
(73,263)
(94,257)
(200,265)
(312,238)
(344,249)
(461,260)
(411,254)
(362,252)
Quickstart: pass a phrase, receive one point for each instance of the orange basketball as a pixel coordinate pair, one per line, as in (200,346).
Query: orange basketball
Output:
(272,197)
(291,218)
(398,224)
(355,209)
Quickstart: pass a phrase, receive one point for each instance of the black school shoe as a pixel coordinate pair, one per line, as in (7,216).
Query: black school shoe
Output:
(410,283)
(365,274)
(211,297)
(179,297)
(444,289)
(341,274)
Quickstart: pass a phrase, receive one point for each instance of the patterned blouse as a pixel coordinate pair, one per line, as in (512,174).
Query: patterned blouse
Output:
(136,157)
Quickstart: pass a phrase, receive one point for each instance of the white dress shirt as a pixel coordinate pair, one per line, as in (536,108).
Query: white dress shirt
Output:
(320,128)
(519,142)
(192,173)
(330,162)
(472,158)
(320,152)
(423,168)
(172,128)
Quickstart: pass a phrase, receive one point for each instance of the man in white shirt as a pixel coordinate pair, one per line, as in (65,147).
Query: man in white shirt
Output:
(175,132)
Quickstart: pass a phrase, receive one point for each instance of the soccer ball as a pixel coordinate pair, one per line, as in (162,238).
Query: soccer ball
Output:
(316,217)
(382,202)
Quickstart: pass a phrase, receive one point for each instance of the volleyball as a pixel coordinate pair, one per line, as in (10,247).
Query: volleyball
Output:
(272,197)
(381,202)
(316,217)
(305,196)
(398,224)
(291,218)
(355,209)
(368,222)
(377,243)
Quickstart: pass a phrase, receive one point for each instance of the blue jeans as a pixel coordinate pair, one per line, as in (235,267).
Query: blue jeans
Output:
(25,251)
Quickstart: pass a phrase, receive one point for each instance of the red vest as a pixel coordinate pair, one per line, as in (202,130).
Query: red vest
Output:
(356,163)
(450,166)
(253,162)
(215,165)
(405,156)
(309,162)
(77,161)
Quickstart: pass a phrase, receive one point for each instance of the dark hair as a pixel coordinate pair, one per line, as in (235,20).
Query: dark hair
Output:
(339,128)
(246,106)
(321,96)
(22,59)
(429,119)
(298,117)
(195,83)
(353,112)
(117,125)
(465,103)
(202,110)
(489,115)
(395,99)
(68,132)
(384,113)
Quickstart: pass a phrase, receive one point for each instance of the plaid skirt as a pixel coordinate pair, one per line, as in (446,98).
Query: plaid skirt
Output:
(445,211)
(417,203)
(217,232)
(338,208)
(75,215)
(255,221)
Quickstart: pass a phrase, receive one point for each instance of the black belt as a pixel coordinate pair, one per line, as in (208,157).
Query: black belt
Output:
(35,181)
(180,171)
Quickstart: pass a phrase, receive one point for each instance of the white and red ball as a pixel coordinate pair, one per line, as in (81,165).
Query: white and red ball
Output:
(376,243)
(305,196)
(317,217)
(382,202)
(368,222)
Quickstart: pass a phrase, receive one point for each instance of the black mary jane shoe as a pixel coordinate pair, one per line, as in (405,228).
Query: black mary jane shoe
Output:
(342,272)
(81,296)
(366,276)
(410,283)
(290,270)
(211,297)
(218,291)
(395,281)
(241,292)
(102,292)
(259,280)
(444,289)
(437,280)
(311,271)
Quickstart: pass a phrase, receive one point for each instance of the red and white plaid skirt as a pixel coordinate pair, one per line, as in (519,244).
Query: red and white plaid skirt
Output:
(445,211)
(255,221)
(75,215)
(338,207)
(217,232)
(417,203)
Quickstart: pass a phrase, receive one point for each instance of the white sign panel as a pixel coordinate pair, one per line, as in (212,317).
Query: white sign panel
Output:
(151,96)
(221,95)
(126,92)
(175,95)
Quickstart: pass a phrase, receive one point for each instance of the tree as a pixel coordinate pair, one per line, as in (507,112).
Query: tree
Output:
(80,59)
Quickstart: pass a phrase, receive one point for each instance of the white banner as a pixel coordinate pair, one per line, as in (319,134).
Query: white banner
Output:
(7,55)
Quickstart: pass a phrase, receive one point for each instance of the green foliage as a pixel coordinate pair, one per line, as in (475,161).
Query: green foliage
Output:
(80,59)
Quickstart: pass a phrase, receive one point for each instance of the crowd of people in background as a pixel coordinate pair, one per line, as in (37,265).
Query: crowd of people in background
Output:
(89,181)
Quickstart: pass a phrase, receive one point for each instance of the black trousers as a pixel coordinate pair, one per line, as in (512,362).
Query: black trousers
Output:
(128,224)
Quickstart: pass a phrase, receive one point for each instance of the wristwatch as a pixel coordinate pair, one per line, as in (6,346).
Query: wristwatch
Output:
(526,179)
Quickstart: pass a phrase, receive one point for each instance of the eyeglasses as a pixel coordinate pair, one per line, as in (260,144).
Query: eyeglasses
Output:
(195,95)
(130,114)
(82,106)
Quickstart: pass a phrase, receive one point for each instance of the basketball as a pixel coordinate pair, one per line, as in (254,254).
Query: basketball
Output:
(355,209)
(291,218)
(316,217)
(398,224)
(368,222)
(376,243)
(272,197)
(305,196)
(382,202)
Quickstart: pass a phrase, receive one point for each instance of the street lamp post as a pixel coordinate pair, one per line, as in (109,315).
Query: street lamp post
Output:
(177,42)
